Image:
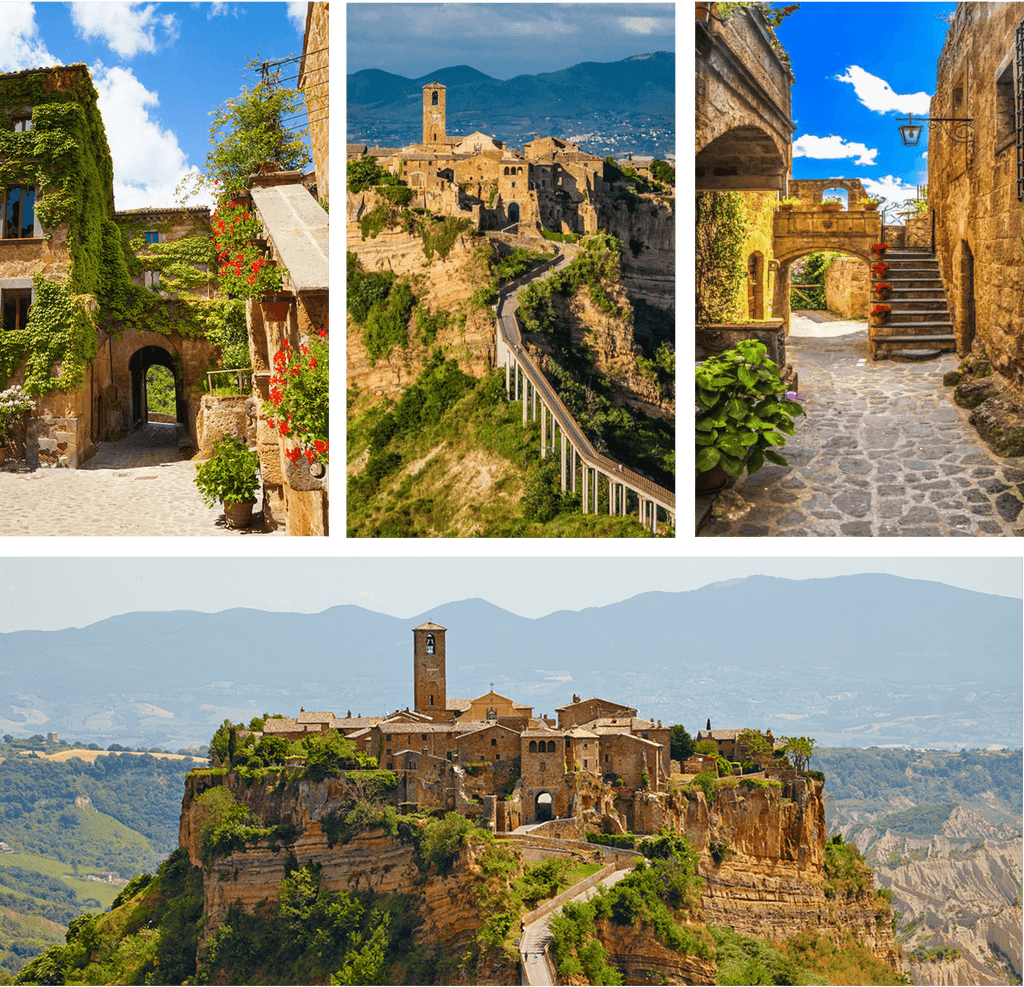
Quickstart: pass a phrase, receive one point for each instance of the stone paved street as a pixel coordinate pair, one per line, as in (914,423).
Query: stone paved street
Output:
(882,450)
(138,486)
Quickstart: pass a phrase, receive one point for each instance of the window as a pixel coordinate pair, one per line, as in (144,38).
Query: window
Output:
(533,746)
(566,743)
(607,758)
(543,765)
(388,752)
(494,741)
(1006,124)
(387,736)
(430,644)
(152,236)
(19,213)
(21,123)
(433,98)
(423,736)
(551,747)
(15,303)
(391,764)
(497,757)
(584,762)
(151,279)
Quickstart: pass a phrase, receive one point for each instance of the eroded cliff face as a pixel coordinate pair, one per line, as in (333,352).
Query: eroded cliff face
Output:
(612,346)
(371,861)
(635,950)
(647,233)
(770,881)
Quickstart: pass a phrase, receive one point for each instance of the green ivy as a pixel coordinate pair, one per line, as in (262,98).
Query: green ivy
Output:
(719,255)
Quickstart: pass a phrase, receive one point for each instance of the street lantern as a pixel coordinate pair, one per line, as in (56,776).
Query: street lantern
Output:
(958,129)
(910,132)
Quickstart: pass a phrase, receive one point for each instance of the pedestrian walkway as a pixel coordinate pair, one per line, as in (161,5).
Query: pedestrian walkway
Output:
(137,486)
(881,451)
(537,935)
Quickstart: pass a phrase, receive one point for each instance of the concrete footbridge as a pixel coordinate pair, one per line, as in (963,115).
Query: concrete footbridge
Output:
(524,381)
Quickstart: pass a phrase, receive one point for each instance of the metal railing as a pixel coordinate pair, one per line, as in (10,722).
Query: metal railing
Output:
(239,376)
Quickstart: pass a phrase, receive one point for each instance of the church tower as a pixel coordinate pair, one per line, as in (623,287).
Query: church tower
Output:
(428,669)
(433,115)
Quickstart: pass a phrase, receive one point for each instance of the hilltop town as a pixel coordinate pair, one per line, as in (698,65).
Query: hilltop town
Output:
(549,264)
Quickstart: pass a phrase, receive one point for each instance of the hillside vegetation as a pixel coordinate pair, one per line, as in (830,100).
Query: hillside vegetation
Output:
(448,455)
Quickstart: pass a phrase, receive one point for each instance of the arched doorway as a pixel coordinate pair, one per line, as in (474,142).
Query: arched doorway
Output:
(513,212)
(543,807)
(138,366)
(966,299)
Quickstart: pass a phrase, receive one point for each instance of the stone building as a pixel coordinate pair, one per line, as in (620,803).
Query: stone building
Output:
(83,320)
(314,82)
(976,185)
(463,754)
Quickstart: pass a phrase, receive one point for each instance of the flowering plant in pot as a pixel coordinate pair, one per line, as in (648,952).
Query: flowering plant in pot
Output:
(230,477)
(832,202)
(869,202)
(883,289)
(789,202)
(233,227)
(298,403)
(881,312)
(14,402)
(879,269)
(742,410)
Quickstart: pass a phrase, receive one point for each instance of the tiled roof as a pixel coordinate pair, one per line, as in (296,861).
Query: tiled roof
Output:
(145,210)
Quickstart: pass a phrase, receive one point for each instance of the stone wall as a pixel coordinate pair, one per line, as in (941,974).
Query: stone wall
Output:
(314,81)
(917,231)
(848,287)
(972,186)
(754,295)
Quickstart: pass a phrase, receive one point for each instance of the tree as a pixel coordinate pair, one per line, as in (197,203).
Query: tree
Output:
(681,744)
(247,131)
(662,171)
(708,747)
(799,749)
(755,747)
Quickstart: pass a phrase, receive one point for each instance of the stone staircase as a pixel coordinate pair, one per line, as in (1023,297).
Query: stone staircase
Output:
(920,318)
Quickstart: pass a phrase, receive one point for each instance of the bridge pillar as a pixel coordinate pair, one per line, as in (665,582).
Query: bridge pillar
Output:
(586,491)
(526,393)
(507,391)
(543,431)
(561,461)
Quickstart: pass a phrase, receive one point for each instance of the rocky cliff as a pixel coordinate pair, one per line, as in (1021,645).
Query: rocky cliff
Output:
(957,891)
(646,229)
(769,879)
(636,952)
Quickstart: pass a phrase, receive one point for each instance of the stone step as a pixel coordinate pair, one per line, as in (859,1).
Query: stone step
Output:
(935,341)
(918,328)
(914,314)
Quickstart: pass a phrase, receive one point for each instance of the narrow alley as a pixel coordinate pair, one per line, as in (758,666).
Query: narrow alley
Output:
(882,450)
(137,486)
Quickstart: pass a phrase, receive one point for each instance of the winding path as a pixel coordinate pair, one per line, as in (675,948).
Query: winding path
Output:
(525,381)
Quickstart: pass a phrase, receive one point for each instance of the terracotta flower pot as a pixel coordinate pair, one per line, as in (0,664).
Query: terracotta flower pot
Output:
(275,307)
(239,515)
(710,481)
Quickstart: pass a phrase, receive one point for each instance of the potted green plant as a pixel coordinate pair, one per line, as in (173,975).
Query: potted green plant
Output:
(788,203)
(742,410)
(869,203)
(14,402)
(230,477)
(832,203)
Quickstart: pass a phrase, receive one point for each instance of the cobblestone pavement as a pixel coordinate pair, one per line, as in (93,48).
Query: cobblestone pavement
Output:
(137,486)
(882,450)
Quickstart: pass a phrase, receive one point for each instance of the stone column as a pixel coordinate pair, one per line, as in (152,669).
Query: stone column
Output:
(586,492)
(561,462)
(543,431)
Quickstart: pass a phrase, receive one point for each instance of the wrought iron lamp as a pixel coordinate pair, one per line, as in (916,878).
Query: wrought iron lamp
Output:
(910,131)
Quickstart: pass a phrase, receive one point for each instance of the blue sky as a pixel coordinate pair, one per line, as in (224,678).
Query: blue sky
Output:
(502,40)
(404,587)
(160,70)
(858,66)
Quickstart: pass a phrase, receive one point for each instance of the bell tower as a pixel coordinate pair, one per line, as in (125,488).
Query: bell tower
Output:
(429,669)
(433,115)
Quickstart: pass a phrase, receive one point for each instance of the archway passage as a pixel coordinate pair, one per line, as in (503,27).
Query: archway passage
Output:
(138,366)
(513,212)
(543,807)
(966,298)
(161,402)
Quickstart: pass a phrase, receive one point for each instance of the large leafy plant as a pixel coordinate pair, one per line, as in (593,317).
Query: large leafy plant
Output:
(742,410)
(231,476)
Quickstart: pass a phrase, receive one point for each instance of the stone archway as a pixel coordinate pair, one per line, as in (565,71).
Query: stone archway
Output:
(513,212)
(783,280)
(543,806)
(138,365)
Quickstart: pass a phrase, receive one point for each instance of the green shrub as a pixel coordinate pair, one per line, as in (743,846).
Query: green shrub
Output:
(230,476)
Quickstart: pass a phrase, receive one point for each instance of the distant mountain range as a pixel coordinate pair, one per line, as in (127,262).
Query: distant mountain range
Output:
(632,100)
(852,661)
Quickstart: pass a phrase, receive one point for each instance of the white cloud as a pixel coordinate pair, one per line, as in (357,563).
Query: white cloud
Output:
(297,14)
(832,146)
(148,162)
(22,47)
(127,28)
(876,94)
(221,8)
(642,25)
